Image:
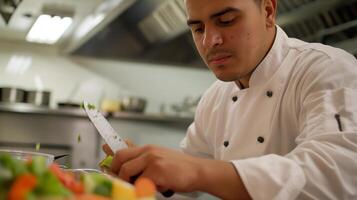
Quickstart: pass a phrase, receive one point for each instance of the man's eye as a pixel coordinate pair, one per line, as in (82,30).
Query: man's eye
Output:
(198,30)
(226,22)
(226,19)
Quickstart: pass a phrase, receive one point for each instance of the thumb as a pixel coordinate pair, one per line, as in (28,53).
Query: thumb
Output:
(130,143)
(107,150)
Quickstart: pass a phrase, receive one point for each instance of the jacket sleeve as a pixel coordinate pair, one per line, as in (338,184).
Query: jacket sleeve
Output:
(324,163)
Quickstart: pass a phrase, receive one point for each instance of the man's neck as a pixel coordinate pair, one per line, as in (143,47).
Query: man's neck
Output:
(243,82)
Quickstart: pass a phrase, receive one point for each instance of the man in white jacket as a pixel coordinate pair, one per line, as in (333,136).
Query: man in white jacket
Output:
(280,123)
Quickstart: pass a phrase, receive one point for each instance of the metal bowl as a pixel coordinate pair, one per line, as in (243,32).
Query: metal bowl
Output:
(38,98)
(11,95)
(133,104)
(26,155)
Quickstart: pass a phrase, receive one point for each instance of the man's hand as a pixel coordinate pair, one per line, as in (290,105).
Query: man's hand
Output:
(170,169)
(107,150)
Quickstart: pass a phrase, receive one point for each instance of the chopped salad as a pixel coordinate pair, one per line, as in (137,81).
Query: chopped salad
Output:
(34,180)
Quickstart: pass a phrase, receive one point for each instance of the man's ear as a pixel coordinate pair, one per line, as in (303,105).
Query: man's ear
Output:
(270,10)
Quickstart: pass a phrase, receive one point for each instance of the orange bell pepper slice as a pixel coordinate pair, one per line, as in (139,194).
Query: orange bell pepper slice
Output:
(67,179)
(22,186)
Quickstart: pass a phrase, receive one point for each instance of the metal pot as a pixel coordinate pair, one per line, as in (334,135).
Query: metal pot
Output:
(11,95)
(38,98)
(133,104)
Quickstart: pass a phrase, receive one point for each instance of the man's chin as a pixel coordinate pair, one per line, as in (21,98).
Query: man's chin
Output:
(226,78)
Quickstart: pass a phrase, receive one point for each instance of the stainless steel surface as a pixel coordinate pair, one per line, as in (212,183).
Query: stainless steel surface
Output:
(11,95)
(133,104)
(68,105)
(24,108)
(56,134)
(154,30)
(80,113)
(38,98)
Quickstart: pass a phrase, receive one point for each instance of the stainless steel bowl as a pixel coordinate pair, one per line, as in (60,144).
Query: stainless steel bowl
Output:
(38,98)
(133,104)
(11,95)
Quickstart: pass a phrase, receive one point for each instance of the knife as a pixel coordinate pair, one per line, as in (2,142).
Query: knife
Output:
(110,136)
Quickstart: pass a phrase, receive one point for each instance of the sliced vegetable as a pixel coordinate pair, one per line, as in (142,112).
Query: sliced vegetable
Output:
(33,180)
(5,175)
(17,167)
(78,138)
(22,186)
(104,188)
(144,187)
(107,162)
(91,106)
(90,197)
(38,165)
(38,146)
(67,179)
(50,185)
(123,190)
(98,184)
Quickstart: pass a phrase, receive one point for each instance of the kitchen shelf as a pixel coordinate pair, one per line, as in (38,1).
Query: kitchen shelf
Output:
(22,108)
(151,117)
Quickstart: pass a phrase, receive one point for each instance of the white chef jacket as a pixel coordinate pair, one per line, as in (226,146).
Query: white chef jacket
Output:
(292,133)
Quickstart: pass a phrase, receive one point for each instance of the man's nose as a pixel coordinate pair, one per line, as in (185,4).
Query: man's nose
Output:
(212,38)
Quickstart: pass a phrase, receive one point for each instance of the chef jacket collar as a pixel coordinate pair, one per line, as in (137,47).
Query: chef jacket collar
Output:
(272,61)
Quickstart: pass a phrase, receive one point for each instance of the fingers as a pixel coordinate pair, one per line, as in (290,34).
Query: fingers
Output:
(107,150)
(130,143)
(154,175)
(132,169)
(123,156)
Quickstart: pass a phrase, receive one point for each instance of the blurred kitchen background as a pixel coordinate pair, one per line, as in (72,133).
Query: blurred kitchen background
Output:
(134,59)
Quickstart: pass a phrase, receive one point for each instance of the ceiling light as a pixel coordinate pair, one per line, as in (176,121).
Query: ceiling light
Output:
(48,29)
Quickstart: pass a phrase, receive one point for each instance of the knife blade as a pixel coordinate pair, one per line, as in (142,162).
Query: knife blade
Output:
(110,136)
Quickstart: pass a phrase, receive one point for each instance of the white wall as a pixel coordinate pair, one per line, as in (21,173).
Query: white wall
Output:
(79,78)
(46,70)
(158,83)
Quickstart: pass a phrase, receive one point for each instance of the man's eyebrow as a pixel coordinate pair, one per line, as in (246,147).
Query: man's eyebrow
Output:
(222,12)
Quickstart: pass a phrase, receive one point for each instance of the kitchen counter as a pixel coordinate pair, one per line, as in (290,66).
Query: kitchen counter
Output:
(22,108)
(22,126)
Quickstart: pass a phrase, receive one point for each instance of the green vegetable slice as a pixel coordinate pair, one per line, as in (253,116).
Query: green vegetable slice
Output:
(79,138)
(38,166)
(107,162)
(38,146)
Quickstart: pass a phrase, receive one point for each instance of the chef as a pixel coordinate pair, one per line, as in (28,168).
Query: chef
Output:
(279,123)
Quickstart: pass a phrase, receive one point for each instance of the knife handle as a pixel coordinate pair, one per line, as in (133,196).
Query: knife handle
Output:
(168,193)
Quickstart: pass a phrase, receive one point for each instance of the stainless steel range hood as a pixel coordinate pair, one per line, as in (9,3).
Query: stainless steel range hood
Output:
(155,31)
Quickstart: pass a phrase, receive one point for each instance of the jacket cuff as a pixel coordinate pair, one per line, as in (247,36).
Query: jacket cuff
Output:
(271,177)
